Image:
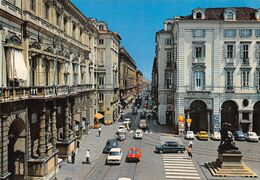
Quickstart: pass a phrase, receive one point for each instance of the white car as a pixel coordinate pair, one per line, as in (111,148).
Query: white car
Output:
(138,134)
(189,135)
(121,129)
(115,156)
(251,136)
(216,136)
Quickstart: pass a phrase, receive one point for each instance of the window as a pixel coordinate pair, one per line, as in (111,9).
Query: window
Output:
(58,18)
(257,52)
(230,16)
(258,79)
(74,27)
(46,11)
(169,56)
(257,32)
(101,81)
(244,53)
(245,32)
(168,80)
(198,53)
(169,26)
(198,15)
(229,33)
(65,20)
(198,32)
(33,5)
(101,27)
(101,97)
(168,41)
(229,80)
(101,41)
(245,78)
(199,80)
(230,51)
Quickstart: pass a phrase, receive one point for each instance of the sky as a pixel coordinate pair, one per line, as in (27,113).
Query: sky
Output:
(137,21)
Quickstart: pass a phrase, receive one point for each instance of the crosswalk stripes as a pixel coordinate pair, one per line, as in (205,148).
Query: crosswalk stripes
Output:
(178,166)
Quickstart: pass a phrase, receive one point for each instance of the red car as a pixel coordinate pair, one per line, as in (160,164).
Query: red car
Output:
(134,155)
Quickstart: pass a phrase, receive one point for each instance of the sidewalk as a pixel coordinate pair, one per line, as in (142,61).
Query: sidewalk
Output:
(95,144)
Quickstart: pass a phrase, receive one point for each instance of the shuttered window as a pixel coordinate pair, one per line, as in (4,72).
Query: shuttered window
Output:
(229,33)
(198,32)
(229,51)
(245,77)
(229,80)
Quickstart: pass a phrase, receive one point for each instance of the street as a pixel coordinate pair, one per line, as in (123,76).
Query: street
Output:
(153,166)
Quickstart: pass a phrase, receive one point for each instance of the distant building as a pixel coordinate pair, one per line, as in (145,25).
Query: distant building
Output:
(217,68)
(127,77)
(107,71)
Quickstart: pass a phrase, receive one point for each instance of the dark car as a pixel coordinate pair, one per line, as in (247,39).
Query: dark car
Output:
(169,147)
(111,143)
(143,115)
(239,136)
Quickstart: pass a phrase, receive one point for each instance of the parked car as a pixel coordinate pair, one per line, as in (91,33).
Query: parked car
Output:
(121,129)
(239,136)
(216,136)
(169,147)
(138,134)
(189,135)
(251,136)
(115,156)
(134,155)
(111,143)
(203,135)
(142,124)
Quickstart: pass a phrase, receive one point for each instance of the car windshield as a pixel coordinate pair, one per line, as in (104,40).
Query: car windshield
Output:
(252,134)
(133,152)
(120,127)
(240,133)
(114,153)
(203,133)
(189,132)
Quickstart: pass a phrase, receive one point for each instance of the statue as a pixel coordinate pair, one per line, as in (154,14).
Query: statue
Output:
(227,145)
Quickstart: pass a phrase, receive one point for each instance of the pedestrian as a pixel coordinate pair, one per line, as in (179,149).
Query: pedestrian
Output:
(99,131)
(190,143)
(189,151)
(78,143)
(73,155)
(87,157)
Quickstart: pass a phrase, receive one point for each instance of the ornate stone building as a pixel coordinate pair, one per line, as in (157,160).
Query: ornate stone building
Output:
(48,51)
(127,77)
(216,78)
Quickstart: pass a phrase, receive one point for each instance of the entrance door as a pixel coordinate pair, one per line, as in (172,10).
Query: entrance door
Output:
(199,116)
(229,114)
(168,117)
(256,118)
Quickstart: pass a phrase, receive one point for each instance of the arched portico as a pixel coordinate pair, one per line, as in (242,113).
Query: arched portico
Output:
(229,114)
(16,148)
(256,118)
(199,114)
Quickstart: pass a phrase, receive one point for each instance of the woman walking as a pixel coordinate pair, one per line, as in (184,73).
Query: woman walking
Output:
(189,151)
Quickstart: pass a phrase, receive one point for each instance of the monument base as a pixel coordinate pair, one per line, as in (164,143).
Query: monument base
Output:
(229,165)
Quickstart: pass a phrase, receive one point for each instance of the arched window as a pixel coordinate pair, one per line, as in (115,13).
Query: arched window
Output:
(169,27)
(230,16)
(198,15)
(101,27)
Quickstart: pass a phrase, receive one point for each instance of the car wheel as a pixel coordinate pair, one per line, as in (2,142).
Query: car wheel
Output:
(160,151)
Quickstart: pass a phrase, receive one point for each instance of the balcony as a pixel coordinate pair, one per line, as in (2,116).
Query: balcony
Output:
(198,60)
(229,89)
(170,65)
(245,62)
(17,93)
(229,62)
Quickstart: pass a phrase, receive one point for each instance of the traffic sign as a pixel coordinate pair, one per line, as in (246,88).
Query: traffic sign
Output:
(188,120)
(181,118)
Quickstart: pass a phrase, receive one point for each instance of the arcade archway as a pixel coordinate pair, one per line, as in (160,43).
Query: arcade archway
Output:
(229,114)
(199,116)
(16,148)
(256,118)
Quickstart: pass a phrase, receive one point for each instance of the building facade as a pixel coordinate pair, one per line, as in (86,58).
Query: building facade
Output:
(48,97)
(107,71)
(139,82)
(127,77)
(164,67)
(217,68)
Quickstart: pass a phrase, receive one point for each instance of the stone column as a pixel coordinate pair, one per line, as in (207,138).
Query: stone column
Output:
(53,128)
(4,148)
(209,121)
(250,128)
(80,123)
(42,134)
(66,124)
(73,120)
(240,116)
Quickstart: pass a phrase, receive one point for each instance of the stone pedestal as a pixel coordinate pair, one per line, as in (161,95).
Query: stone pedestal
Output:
(229,164)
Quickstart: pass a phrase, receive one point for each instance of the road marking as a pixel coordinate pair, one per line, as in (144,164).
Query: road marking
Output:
(181,177)
(181,170)
(179,164)
(178,167)
(180,173)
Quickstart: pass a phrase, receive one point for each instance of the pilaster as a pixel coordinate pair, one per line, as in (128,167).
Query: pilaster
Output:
(66,124)
(53,128)
(42,134)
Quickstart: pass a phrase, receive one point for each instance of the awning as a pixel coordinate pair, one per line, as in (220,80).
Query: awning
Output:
(99,116)
(16,65)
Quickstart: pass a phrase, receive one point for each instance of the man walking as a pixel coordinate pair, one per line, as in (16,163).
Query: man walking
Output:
(87,157)
(189,151)
(99,131)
